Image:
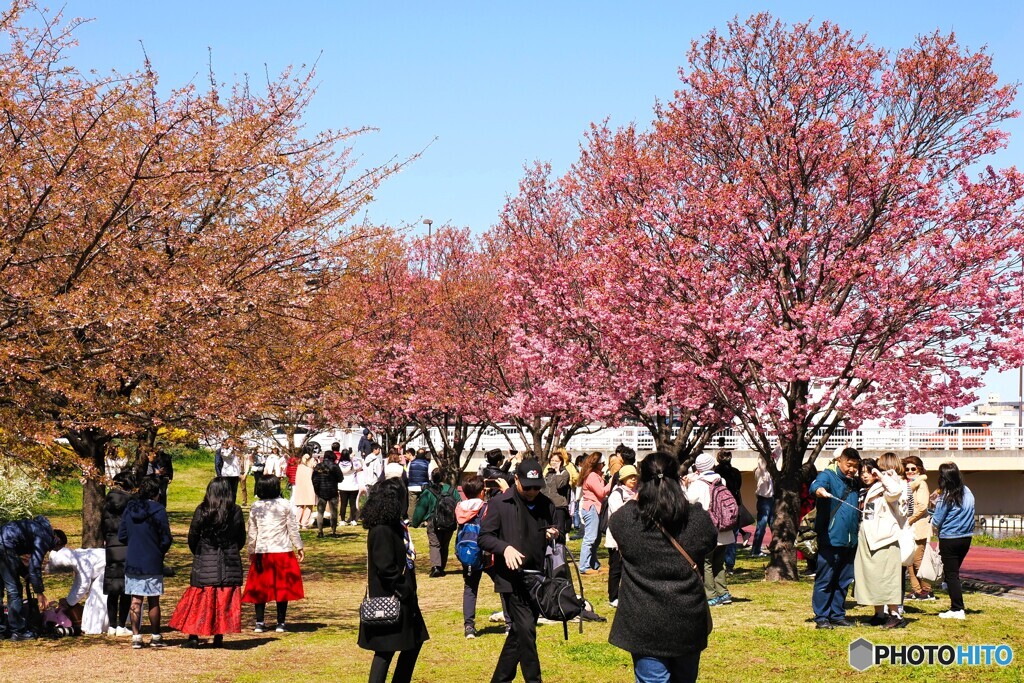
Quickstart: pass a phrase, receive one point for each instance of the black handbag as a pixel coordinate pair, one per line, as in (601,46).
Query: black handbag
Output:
(383,611)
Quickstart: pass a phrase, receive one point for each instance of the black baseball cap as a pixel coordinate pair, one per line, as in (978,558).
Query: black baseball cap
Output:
(529,473)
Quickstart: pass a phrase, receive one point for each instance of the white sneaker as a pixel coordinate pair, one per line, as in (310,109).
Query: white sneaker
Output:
(111,631)
(353,523)
(958,614)
(614,603)
(122,632)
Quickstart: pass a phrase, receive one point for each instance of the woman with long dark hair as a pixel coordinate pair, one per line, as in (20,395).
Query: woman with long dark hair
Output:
(212,605)
(953,520)
(662,615)
(391,570)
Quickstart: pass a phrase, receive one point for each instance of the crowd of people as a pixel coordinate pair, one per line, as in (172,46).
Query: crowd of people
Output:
(863,509)
(671,530)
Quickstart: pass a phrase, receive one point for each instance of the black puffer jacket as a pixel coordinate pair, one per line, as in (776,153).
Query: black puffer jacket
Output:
(216,549)
(326,477)
(113,508)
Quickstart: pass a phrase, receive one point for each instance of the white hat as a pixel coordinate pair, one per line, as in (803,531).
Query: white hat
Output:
(704,462)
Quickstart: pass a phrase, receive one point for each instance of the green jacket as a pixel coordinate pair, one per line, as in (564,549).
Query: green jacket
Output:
(427,502)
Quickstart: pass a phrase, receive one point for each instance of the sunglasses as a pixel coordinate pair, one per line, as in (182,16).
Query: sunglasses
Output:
(532,488)
(911,469)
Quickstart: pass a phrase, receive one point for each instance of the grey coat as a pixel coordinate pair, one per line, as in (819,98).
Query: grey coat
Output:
(662,605)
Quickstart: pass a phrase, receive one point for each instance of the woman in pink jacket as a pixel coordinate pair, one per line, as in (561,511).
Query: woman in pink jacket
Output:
(595,491)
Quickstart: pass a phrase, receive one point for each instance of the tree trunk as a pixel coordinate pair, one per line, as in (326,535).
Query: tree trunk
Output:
(91,447)
(783,564)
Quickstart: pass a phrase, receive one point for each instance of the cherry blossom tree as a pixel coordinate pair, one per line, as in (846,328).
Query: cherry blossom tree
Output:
(452,345)
(826,234)
(144,236)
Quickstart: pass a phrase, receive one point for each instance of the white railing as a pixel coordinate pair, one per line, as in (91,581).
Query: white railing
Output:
(868,439)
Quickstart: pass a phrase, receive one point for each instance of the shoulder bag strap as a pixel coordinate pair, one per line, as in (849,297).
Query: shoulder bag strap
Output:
(846,491)
(689,560)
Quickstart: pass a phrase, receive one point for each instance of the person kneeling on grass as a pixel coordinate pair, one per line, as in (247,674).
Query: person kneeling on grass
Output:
(147,535)
(88,565)
(275,552)
(212,605)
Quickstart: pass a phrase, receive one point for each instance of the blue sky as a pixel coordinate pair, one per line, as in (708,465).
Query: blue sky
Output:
(488,87)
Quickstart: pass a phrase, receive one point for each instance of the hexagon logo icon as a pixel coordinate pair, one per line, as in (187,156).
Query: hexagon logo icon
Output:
(862,654)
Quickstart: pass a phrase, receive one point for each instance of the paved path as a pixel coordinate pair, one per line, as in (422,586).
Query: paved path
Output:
(995,565)
(991,565)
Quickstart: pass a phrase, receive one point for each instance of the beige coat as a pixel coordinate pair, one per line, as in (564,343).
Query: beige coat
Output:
(885,511)
(920,519)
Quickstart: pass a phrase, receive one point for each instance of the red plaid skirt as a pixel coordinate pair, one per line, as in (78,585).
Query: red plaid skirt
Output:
(209,611)
(273,577)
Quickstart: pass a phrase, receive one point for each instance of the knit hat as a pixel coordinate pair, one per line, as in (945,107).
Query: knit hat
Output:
(704,463)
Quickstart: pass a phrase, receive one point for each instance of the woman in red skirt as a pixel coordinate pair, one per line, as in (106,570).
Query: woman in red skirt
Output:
(275,551)
(212,604)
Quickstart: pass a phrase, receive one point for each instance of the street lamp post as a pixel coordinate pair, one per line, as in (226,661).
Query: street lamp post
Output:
(430,224)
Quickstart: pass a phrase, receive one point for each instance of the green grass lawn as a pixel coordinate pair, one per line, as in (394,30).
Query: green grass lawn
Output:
(766,635)
(1010,542)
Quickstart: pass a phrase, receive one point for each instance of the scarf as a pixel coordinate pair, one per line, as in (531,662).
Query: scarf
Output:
(410,549)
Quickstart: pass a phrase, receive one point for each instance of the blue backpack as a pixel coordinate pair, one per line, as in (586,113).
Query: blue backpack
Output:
(467,549)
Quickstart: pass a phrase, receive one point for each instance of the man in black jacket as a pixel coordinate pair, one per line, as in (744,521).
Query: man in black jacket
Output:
(159,465)
(326,477)
(35,538)
(496,472)
(516,528)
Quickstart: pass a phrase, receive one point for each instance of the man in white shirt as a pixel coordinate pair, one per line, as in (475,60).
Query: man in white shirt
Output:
(765,500)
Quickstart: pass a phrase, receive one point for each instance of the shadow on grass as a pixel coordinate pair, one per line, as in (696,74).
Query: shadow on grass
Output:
(240,645)
(305,627)
(498,629)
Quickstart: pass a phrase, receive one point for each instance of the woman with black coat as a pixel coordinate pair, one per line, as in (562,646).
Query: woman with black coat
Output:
(212,605)
(391,571)
(662,615)
(118,603)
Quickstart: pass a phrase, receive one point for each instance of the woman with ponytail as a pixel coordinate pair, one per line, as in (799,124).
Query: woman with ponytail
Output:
(661,618)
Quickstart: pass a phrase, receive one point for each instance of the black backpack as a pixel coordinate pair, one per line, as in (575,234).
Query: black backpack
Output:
(444,511)
(553,592)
